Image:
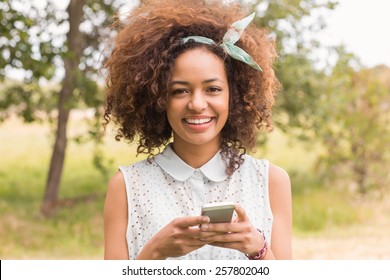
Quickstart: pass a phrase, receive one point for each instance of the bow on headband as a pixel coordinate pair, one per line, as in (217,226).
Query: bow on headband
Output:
(229,39)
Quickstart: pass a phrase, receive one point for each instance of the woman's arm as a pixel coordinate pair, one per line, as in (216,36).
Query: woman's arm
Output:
(281,205)
(115,219)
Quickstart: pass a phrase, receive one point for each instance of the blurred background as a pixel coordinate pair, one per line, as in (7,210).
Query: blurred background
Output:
(332,129)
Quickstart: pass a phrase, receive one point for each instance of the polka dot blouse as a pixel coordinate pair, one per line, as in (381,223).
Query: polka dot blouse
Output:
(167,188)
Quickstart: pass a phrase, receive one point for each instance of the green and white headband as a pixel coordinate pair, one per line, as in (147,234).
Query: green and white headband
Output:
(229,39)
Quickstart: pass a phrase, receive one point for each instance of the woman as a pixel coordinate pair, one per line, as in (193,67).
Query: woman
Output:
(201,75)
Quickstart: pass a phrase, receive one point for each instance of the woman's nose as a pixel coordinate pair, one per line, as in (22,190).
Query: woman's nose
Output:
(197,102)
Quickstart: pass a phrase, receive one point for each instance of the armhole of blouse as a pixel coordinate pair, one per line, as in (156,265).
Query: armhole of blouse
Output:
(267,205)
(123,170)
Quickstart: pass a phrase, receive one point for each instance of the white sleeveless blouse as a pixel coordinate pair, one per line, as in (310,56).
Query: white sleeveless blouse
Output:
(168,188)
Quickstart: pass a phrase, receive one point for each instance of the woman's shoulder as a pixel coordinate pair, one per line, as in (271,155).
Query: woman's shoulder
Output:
(116,191)
(279,180)
(277,173)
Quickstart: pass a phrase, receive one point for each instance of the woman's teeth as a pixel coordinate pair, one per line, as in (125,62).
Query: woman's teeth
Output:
(198,121)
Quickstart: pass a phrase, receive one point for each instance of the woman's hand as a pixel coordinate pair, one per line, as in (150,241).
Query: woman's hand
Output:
(178,238)
(239,234)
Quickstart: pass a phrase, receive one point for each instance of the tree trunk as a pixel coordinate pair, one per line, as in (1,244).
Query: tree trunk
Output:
(360,166)
(71,65)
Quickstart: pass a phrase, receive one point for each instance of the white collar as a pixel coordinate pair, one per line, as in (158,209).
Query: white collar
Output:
(171,163)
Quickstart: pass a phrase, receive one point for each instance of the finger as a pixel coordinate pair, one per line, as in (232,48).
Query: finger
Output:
(195,242)
(221,227)
(186,222)
(223,238)
(241,214)
(204,234)
(192,232)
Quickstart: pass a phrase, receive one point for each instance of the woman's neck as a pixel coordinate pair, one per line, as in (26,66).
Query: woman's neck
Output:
(195,155)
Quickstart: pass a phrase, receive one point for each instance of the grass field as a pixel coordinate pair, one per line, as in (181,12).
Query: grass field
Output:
(76,232)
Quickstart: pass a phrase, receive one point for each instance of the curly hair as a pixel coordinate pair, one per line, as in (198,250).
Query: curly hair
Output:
(141,64)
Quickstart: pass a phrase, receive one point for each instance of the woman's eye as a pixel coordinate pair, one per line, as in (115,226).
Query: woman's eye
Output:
(214,89)
(178,91)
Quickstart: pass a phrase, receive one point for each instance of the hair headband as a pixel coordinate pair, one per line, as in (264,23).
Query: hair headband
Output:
(229,39)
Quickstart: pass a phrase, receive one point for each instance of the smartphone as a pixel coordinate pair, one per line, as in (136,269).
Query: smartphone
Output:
(220,212)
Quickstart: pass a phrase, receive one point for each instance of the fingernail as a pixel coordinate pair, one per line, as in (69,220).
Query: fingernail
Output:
(204,227)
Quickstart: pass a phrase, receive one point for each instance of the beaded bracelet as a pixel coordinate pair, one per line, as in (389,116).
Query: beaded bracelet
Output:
(262,252)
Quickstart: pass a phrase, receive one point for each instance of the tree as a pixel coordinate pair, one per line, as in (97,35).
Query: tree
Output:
(32,40)
(72,71)
(354,130)
(293,23)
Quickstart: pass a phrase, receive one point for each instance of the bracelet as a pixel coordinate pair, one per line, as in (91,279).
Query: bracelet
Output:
(262,252)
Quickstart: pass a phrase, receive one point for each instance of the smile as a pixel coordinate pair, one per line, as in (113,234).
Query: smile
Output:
(198,121)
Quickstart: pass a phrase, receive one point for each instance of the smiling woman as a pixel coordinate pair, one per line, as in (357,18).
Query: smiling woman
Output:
(201,75)
(198,105)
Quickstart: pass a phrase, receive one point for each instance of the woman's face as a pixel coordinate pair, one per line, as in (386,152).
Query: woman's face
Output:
(198,102)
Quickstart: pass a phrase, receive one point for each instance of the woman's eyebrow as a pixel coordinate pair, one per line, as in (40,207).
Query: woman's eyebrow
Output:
(212,80)
(203,82)
(179,82)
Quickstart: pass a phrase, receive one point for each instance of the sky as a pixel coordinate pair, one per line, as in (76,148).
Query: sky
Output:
(363,26)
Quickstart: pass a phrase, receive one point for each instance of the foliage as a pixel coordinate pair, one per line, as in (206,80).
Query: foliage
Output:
(28,100)
(354,117)
(290,21)
(293,23)
(34,40)
(27,40)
